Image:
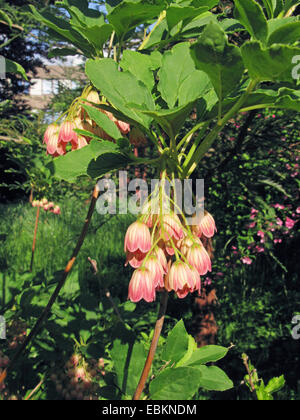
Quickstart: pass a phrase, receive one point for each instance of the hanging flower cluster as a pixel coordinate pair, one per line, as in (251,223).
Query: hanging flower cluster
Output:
(47,206)
(63,138)
(167,253)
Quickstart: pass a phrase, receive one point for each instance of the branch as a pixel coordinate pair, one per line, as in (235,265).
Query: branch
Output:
(157,331)
(19,140)
(13,25)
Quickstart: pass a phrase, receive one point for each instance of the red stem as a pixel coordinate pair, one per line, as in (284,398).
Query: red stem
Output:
(34,237)
(157,331)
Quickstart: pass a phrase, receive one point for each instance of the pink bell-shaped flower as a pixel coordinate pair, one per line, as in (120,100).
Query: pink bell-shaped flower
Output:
(67,133)
(142,286)
(137,238)
(199,259)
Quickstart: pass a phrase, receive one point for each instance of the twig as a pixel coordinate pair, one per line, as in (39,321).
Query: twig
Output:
(245,360)
(157,331)
(61,283)
(107,292)
(5,138)
(13,25)
(34,390)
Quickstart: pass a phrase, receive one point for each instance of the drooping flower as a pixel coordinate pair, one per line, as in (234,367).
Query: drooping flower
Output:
(135,259)
(52,142)
(81,142)
(207,225)
(123,127)
(142,286)
(171,227)
(51,129)
(161,258)
(187,243)
(199,259)
(247,260)
(137,238)
(67,133)
(180,278)
(56,210)
(154,266)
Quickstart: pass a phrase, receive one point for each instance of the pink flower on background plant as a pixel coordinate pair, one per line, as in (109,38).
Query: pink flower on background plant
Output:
(279,206)
(277,241)
(279,222)
(56,210)
(207,281)
(298,210)
(252,225)
(247,260)
(261,234)
(290,223)
(259,249)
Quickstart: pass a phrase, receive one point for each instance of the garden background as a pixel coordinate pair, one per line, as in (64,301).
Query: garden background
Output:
(248,301)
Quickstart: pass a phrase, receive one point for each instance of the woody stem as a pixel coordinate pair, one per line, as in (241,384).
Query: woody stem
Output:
(157,331)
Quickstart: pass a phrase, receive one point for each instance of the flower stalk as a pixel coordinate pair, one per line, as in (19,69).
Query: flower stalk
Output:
(157,331)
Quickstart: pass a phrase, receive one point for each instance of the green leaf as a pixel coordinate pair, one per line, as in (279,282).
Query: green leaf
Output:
(221,61)
(270,6)
(4,16)
(158,34)
(284,98)
(129,14)
(176,14)
(177,344)
(13,67)
(175,384)
(262,394)
(62,52)
(205,355)
(81,14)
(275,385)
(120,88)
(103,121)
(287,34)
(97,35)
(140,65)
(274,24)
(94,160)
(178,78)
(195,86)
(214,379)
(128,359)
(191,348)
(64,29)
(171,120)
(252,17)
(269,64)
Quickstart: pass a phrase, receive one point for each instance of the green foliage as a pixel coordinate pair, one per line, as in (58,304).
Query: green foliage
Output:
(219,60)
(263,392)
(233,66)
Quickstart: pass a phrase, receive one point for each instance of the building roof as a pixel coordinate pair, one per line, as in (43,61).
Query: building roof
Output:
(59,73)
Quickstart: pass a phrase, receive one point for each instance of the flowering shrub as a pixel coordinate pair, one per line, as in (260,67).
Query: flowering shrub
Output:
(190,66)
